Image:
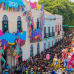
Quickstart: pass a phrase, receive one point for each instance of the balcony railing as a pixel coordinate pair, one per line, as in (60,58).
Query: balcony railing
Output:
(33,40)
(47,35)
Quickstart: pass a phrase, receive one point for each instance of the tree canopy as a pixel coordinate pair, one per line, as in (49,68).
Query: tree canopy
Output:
(60,7)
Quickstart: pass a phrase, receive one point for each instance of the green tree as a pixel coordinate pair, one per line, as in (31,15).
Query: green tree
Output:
(60,7)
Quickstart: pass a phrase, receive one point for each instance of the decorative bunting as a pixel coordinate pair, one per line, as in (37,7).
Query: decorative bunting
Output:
(34,5)
(10,5)
(33,40)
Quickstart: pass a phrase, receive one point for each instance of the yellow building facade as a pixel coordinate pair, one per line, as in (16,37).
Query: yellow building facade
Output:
(12,19)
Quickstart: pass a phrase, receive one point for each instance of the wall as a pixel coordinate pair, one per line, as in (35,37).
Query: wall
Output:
(35,14)
(12,20)
(12,23)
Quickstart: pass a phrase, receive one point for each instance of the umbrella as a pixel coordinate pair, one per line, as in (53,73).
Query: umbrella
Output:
(1,33)
(5,42)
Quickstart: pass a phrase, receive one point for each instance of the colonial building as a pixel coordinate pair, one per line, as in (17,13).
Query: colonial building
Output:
(12,19)
(49,30)
(58,28)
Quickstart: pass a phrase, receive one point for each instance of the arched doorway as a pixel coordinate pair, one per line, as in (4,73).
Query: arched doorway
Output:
(38,48)
(19,23)
(4,23)
(31,50)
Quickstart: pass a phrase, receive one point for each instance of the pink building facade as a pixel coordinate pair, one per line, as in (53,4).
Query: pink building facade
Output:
(58,28)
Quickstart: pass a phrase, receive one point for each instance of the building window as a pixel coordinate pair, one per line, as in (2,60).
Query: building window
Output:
(60,27)
(56,28)
(31,50)
(5,23)
(48,29)
(49,44)
(37,23)
(38,48)
(52,29)
(19,25)
(44,31)
(52,43)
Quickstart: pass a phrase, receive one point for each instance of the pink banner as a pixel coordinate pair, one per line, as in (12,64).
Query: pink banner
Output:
(33,5)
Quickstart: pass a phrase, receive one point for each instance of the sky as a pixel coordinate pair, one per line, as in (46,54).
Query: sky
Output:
(37,0)
(33,0)
(72,0)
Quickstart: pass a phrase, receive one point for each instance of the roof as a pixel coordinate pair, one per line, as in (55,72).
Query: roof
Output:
(46,12)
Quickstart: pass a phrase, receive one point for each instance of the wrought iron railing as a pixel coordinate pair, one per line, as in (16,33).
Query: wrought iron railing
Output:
(47,35)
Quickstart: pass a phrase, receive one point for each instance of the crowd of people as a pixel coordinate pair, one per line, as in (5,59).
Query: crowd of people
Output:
(56,63)
(60,61)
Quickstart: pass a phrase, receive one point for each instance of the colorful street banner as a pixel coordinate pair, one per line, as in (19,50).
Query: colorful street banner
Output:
(12,5)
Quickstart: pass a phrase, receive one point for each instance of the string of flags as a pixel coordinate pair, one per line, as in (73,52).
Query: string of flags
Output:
(34,5)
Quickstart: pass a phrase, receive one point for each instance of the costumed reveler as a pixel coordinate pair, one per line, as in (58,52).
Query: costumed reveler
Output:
(56,62)
(63,56)
(70,65)
(72,43)
(1,52)
(66,61)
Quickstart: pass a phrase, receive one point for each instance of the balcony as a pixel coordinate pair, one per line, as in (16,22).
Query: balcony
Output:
(47,35)
(33,40)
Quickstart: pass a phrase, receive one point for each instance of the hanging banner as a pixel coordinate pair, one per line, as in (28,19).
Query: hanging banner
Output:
(12,4)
